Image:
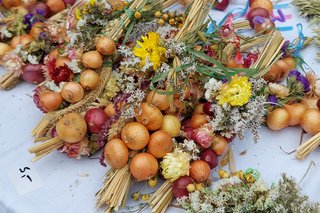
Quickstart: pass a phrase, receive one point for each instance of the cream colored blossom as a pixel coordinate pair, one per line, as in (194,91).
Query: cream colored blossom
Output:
(175,165)
(278,90)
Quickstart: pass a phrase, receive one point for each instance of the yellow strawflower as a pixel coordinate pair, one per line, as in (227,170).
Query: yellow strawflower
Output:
(175,165)
(150,49)
(236,93)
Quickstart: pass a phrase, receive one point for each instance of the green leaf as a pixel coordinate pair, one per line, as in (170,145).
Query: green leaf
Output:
(159,77)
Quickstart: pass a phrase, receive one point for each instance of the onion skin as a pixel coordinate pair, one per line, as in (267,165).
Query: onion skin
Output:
(278,119)
(210,157)
(198,120)
(50,101)
(296,112)
(11,3)
(222,5)
(199,171)
(61,61)
(207,109)
(274,74)
(144,166)
(4,48)
(116,153)
(56,5)
(92,59)
(106,46)
(179,187)
(310,102)
(95,119)
(36,29)
(198,109)
(284,67)
(23,40)
(291,62)
(89,79)
(159,100)
(219,145)
(172,125)
(267,27)
(266,4)
(72,92)
(33,73)
(257,12)
(150,116)
(135,135)
(71,128)
(160,143)
(203,137)
(310,121)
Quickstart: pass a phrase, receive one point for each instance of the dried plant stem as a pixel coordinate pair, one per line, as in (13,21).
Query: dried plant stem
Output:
(242,25)
(196,17)
(115,189)
(9,80)
(161,199)
(232,165)
(255,41)
(45,148)
(169,3)
(306,148)
(270,53)
(51,118)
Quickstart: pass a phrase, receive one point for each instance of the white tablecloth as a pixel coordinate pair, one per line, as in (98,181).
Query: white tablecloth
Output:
(70,185)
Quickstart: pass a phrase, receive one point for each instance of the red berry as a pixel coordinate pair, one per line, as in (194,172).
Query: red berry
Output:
(222,5)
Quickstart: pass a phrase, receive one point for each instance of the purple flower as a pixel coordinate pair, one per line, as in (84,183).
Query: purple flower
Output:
(301,79)
(272,99)
(294,73)
(224,80)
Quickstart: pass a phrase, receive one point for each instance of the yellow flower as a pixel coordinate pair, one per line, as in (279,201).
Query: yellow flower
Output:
(150,49)
(236,93)
(175,165)
(77,13)
(92,2)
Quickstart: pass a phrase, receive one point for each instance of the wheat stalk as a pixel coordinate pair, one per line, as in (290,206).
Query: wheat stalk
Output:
(161,199)
(306,148)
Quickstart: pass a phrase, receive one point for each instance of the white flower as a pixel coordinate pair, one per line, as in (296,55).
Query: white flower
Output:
(212,87)
(74,66)
(33,59)
(53,87)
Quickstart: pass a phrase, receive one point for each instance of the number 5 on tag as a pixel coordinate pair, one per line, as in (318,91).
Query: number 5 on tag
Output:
(25,179)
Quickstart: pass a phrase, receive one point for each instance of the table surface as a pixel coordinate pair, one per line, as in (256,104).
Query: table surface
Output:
(69,185)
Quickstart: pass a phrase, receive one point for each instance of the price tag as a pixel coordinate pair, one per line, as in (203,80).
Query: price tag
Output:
(25,179)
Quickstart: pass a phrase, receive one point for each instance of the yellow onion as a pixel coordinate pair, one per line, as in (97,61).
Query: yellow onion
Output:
(4,48)
(266,4)
(23,40)
(89,79)
(56,6)
(36,29)
(310,121)
(135,135)
(199,171)
(61,61)
(11,3)
(71,128)
(116,153)
(160,143)
(159,100)
(106,46)
(197,120)
(92,59)
(144,166)
(150,116)
(296,111)
(310,102)
(171,124)
(278,119)
(72,92)
(50,101)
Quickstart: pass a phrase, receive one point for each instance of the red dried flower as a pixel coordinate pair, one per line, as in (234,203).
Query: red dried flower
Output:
(250,59)
(60,74)
(36,98)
